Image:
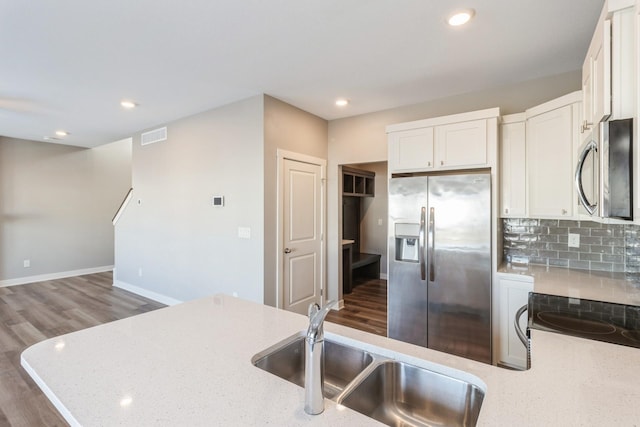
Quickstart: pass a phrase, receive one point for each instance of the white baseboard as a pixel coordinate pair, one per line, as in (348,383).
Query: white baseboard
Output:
(146,293)
(383,276)
(53,276)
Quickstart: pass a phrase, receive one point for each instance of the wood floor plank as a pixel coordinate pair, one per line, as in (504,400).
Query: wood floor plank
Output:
(365,308)
(33,312)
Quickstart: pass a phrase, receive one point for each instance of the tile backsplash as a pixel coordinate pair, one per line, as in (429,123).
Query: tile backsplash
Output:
(603,247)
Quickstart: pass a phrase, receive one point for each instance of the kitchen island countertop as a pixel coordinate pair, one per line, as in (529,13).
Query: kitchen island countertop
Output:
(190,364)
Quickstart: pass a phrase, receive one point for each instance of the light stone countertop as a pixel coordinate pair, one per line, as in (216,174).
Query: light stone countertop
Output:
(594,285)
(190,364)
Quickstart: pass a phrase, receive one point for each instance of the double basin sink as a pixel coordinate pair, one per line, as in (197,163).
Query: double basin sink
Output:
(393,392)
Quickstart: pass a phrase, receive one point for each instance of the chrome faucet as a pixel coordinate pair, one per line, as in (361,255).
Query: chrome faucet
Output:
(314,359)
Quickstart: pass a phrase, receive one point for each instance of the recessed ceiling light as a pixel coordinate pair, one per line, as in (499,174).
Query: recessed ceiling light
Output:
(61,133)
(342,102)
(461,17)
(128,104)
(50,138)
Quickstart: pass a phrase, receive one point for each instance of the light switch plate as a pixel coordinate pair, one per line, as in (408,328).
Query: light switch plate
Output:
(244,232)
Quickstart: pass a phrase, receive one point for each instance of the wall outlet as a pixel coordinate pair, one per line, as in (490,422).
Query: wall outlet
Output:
(26,263)
(379,221)
(140,272)
(574,240)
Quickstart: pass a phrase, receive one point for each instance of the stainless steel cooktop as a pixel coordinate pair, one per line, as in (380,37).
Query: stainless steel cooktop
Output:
(596,320)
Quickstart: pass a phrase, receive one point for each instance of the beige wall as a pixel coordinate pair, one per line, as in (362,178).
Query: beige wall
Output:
(291,129)
(363,139)
(373,236)
(174,242)
(184,247)
(57,202)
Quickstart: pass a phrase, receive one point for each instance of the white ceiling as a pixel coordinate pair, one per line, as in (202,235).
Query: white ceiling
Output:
(67,64)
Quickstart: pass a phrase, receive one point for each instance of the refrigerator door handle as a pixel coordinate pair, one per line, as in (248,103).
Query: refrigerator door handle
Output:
(432,244)
(421,245)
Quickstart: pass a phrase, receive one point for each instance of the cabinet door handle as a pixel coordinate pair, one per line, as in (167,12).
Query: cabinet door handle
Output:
(428,163)
(506,210)
(564,211)
(441,162)
(287,250)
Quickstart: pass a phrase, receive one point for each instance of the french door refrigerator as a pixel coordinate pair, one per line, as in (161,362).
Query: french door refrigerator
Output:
(439,285)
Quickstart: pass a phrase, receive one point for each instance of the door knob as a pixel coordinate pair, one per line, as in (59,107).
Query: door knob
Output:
(287,250)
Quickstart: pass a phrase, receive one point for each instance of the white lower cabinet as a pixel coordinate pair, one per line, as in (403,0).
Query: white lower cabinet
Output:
(513,293)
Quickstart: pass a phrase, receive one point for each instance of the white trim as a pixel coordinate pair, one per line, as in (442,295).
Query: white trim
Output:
(488,113)
(615,5)
(383,276)
(50,394)
(146,293)
(53,276)
(554,104)
(514,118)
(281,155)
(123,206)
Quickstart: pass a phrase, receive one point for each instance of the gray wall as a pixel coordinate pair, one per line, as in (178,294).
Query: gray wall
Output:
(287,128)
(362,139)
(57,203)
(174,242)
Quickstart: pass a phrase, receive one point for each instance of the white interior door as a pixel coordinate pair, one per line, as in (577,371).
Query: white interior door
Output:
(302,242)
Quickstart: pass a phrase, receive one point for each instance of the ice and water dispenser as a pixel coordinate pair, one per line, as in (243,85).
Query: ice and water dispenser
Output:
(407,235)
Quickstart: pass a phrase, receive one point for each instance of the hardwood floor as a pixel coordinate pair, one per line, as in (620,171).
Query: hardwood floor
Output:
(365,308)
(37,311)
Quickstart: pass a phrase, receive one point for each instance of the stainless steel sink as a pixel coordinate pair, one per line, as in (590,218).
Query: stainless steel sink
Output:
(399,394)
(390,391)
(341,363)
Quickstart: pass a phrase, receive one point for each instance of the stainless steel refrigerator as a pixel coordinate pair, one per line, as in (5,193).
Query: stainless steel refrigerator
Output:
(439,286)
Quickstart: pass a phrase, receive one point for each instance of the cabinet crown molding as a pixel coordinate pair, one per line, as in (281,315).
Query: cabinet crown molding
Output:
(445,120)
(554,104)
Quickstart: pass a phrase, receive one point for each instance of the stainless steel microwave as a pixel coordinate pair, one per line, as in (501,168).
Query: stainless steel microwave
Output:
(604,174)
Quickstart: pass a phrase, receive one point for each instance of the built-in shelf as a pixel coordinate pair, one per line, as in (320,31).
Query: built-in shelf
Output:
(359,183)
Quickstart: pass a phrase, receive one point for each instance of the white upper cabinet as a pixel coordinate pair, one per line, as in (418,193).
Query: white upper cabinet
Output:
(596,76)
(608,71)
(513,194)
(549,150)
(411,150)
(462,144)
(623,64)
(460,141)
(600,55)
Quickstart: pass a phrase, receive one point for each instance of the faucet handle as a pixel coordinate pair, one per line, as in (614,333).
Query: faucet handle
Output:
(316,318)
(314,308)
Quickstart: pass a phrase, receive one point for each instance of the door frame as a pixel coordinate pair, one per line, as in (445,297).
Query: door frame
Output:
(281,156)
